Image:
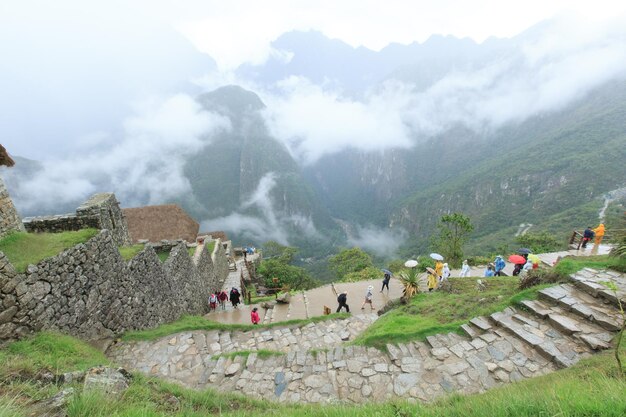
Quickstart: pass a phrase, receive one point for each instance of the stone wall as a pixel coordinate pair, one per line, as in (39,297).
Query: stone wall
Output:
(9,219)
(101,211)
(90,292)
(220,263)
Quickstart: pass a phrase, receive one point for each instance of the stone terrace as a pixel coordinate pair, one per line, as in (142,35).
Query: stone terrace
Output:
(569,322)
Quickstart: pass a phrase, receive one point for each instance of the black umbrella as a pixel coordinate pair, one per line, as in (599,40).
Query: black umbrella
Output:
(524,251)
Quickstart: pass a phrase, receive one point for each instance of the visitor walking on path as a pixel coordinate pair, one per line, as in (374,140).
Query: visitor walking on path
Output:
(386,280)
(599,232)
(465,269)
(499,264)
(587,236)
(432,279)
(489,272)
(254,316)
(212,302)
(234,297)
(368,298)
(439,270)
(445,274)
(222,297)
(343,300)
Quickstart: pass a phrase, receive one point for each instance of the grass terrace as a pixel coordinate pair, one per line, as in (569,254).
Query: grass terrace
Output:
(442,312)
(24,249)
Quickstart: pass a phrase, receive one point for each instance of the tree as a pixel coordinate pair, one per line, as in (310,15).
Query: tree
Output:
(539,242)
(272,249)
(287,275)
(454,230)
(350,260)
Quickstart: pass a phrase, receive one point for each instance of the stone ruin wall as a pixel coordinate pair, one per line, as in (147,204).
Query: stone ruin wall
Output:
(101,211)
(90,292)
(9,219)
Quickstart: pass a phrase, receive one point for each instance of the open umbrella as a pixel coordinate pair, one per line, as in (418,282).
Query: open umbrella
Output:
(517,259)
(411,263)
(524,251)
(386,271)
(533,258)
(436,256)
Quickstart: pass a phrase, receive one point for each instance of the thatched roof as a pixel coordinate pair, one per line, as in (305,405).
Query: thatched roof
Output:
(156,223)
(5,159)
(215,235)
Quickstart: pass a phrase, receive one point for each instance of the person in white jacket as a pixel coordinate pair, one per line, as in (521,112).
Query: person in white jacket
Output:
(465,270)
(445,274)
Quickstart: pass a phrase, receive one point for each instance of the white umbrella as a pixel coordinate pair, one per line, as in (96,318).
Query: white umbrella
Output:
(436,256)
(411,263)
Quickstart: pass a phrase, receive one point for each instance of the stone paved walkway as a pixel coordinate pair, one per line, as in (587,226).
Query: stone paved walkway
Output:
(569,322)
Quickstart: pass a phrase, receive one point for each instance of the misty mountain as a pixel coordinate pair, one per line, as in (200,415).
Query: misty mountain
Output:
(322,60)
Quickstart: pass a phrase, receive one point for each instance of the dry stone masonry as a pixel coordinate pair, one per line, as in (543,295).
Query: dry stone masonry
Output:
(569,322)
(101,211)
(9,219)
(89,291)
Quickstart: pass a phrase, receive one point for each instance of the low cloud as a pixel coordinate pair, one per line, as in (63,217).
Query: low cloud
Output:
(542,72)
(383,242)
(270,224)
(144,166)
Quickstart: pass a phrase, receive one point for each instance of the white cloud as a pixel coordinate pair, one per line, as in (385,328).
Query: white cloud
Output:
(383,242)
(144,166)
(269,225)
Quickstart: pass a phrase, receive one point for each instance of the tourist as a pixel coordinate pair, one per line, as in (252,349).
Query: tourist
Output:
(212,302)
(465,269)
(499,264)
(432,279)
(489,272)
(254,316)
(343,300)
(368,298)
(222,297)
(587,236)
(517,269)
(445,274)
(386,280)
(599,232)
(234,297)
(439,270)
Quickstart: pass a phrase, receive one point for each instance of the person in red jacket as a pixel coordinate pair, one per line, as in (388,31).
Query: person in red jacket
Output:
(254,316)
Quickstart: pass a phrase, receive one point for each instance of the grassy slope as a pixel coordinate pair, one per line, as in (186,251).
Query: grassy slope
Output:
(24,249)
(440,312)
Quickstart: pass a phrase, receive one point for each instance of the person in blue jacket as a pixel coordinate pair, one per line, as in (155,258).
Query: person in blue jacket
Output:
(489,271)
(500,264)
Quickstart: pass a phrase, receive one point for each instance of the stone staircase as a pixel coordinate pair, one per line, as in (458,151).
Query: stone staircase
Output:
(569,322)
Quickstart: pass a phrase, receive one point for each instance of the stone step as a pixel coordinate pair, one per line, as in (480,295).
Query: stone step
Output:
(538,308)
(542,339)
(481,322)
(471,331)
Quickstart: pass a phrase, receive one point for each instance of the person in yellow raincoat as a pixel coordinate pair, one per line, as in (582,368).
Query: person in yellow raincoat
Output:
(432,279)
(599,231)
(439,270)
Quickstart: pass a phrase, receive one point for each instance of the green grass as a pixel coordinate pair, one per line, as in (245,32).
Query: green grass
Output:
(24,249)
(210,246)
(129,252)
(441,312)
(189,323)
(261,354)
(572,264)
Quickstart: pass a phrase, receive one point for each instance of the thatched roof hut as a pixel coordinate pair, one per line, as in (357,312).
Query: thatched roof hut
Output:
(156,223)
(5,159)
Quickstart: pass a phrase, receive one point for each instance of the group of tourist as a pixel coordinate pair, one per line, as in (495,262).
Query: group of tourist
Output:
(220,297)
(590,233)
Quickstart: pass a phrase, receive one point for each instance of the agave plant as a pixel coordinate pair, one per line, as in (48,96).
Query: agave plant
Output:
(410,281)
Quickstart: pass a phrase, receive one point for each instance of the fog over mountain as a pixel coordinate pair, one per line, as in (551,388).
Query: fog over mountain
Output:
(321,130)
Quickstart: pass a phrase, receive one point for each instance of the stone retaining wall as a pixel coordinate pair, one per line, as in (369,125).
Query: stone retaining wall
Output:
(90,292)
(9,219)
(101,211)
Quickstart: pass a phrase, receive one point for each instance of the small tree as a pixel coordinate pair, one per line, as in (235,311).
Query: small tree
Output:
(540,242)
(454,230)
(350,260)
(613,287)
